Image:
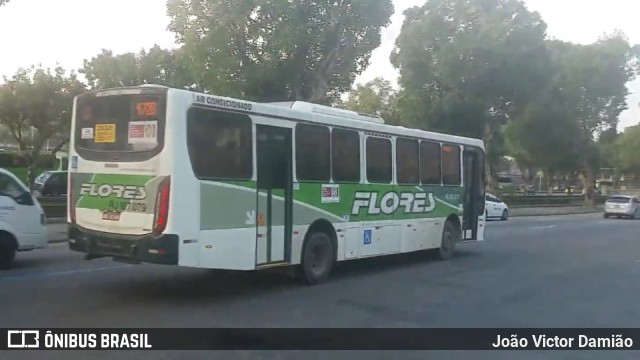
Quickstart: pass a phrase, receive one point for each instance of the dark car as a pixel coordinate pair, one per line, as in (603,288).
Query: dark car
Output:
(50,183)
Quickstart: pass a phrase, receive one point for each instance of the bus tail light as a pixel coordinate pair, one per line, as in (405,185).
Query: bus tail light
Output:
(161,213)
(71,204)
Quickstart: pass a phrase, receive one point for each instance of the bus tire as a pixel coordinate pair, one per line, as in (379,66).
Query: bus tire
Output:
(318,258)
(8,248)
(450,236)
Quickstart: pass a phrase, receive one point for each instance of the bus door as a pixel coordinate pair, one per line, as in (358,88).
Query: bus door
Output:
(275,195)
(474,194)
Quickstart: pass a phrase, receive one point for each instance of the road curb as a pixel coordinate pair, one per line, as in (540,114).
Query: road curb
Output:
(560,213)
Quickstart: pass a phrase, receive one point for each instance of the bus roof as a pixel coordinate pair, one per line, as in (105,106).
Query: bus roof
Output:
(319,114)
(309,112)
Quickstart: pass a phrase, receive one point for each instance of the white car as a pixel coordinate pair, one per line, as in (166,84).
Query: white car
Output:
(22,220)
(495,208)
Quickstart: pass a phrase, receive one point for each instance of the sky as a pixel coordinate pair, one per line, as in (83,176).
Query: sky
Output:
(64,32)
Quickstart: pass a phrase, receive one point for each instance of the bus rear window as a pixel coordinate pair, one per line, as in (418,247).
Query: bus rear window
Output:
(119,127)
(619,199)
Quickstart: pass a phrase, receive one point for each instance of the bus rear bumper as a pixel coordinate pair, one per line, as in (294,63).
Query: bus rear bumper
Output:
(151,249)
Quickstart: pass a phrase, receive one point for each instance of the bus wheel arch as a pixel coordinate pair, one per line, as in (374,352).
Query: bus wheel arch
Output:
(451,235)
(8,249)
(319,252)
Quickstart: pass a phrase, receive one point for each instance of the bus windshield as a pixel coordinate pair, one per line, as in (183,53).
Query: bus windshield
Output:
(119,127)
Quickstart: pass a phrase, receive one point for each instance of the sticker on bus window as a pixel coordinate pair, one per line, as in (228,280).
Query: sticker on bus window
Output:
(87,133)
(105,133)
(143,132)
(330,193)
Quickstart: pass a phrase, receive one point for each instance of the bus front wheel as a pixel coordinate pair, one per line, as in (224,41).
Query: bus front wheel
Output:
(318,258)
(450,236)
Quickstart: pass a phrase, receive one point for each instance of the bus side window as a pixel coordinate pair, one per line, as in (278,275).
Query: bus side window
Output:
(313,153)
(451,174)
(345,152)
(379,161)
(430,163)
(220,144)
(407,161)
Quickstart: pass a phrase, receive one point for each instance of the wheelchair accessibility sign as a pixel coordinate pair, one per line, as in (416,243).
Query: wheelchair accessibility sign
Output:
(367,237)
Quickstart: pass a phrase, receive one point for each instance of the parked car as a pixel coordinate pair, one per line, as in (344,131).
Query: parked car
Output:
(622,206)
(50,183)
(496,208)
(22,219)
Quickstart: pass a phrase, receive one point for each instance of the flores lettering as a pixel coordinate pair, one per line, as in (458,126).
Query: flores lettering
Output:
(130,192)
(389,203)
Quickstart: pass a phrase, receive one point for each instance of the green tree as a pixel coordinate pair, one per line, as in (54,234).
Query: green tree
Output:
(468,66)
(540,138)
(607,144)
(40,100)
(592,79)
(375,97)
(279,49)
(155,66)
(627,148)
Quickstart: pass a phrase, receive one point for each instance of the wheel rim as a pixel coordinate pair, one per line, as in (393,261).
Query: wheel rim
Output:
(318,258)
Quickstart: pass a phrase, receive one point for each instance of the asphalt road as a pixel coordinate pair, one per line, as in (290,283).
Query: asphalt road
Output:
(552,271)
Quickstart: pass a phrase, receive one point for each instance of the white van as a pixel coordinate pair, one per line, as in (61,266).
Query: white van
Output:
(22,221)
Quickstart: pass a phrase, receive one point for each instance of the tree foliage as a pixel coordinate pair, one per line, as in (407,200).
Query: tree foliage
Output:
(375,97)
(541,136)
(627,148)
(279,49)
(592,80)
(3,2)
(467,66)
(41,99)
(155,66)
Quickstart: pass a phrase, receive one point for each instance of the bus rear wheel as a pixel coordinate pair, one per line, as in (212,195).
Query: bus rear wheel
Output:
(450,236)
(318,258)
(7,251)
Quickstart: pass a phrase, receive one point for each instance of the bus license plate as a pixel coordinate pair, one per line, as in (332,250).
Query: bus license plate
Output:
(111,216)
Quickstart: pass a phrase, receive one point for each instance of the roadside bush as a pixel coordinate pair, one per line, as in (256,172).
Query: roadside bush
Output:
(47,161)
(539,200)
(17,159)
(12,159)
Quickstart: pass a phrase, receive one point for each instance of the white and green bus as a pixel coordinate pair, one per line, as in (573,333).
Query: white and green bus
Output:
(169,176)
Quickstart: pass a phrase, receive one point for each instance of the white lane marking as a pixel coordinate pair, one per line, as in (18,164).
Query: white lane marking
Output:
(543,227)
